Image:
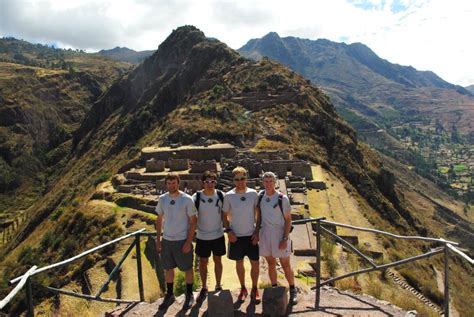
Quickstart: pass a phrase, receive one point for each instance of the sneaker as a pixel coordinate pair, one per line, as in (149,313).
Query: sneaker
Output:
(202,295)
(218,288)
(255,295)
(167,301)
(188,301)
(293,296)
(243,294)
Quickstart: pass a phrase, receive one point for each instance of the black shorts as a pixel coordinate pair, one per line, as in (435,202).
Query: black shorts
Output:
(243,247)
(205,247)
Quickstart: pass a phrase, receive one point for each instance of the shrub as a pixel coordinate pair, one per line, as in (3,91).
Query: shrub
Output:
(102,178)
(57,213)
(180,283)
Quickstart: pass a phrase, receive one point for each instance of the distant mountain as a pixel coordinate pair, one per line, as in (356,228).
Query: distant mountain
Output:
(470,88)
(45,93)
(374,95)
(194,87)
(127,55)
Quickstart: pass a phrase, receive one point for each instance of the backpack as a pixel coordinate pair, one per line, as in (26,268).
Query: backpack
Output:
(280,203)
(220,197)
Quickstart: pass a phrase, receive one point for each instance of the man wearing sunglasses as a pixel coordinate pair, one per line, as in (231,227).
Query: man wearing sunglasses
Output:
(177,216)
(275,220)
(240,212)
(210,236)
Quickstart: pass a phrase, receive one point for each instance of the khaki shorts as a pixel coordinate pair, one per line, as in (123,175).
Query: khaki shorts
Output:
(269,240)
(172,256)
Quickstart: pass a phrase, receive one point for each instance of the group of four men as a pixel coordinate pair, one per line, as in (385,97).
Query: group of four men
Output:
(257,224)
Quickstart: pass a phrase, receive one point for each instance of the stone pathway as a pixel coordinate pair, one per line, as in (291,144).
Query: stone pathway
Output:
(333,303)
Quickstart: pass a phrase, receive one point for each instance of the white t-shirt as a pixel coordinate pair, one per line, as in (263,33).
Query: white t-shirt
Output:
(209,224)
(176,212)
(241,207)
(270,211)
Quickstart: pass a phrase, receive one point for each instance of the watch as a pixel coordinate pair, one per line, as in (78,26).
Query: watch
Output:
(285,239)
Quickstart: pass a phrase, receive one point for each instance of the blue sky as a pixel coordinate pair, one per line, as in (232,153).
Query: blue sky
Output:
(426,34)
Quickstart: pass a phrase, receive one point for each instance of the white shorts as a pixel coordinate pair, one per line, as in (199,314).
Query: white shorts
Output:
(269,240)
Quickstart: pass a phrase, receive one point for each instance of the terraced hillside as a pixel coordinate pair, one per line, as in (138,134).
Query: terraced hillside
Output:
(192,89)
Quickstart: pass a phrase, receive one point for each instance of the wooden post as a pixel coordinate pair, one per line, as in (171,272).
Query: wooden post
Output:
(139,267)
(29,298)
(318,264)
(446,281)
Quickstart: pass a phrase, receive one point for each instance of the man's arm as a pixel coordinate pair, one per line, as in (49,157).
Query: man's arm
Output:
(189,239)
(286,234)
(230,234)
(258,223)
(158,225)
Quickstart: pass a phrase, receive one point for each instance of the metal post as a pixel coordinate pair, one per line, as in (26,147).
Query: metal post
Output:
(139,267)
(29,298)
(446,281)
(318,263)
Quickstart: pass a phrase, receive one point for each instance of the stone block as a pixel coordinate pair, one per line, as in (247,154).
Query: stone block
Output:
(316,185)
(274,301)
(202,166)
(153,166)
(304,252)
(220,304)
(178,164)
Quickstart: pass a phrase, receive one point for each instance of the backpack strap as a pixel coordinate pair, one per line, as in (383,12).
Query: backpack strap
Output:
(260,197)
(197,200)
(220,197)
(280,203)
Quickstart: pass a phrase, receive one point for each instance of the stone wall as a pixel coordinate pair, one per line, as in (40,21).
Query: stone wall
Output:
(202,166)
(178,164)
(191,185)
(281,168)
(195,153)
(153,166)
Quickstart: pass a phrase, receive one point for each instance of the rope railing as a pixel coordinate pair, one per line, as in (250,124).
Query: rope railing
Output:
(320,222)
(320,229)
(77,257)
(17,288)
(26,278)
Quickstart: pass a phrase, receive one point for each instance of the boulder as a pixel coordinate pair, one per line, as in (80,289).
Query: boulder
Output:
(220,304)
(274,301)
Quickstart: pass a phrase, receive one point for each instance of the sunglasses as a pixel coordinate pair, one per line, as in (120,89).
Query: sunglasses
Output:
(210,182)
(240,178)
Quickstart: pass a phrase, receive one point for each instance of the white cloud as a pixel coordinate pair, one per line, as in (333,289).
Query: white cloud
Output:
(427,34)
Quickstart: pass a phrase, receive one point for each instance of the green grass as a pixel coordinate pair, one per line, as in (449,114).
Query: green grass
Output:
(443,169)
(459,167)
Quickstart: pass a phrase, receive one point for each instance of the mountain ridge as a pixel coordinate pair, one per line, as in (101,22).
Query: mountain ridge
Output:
(192,88)
(126,54)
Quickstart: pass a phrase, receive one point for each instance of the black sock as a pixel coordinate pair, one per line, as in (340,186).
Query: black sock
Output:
(292,287)
(189,288)
(274,285)
(169,288)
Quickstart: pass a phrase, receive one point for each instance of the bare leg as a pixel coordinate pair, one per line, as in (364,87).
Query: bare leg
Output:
(239,265)
(169,276)
(254,272)
(189,276)
(203,271)
(290,276)
(218,269)
(272,273)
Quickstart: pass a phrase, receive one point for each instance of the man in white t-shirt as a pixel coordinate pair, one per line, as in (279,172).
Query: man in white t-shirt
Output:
(240,212)
(275,222)
(177,216)
(210,236)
